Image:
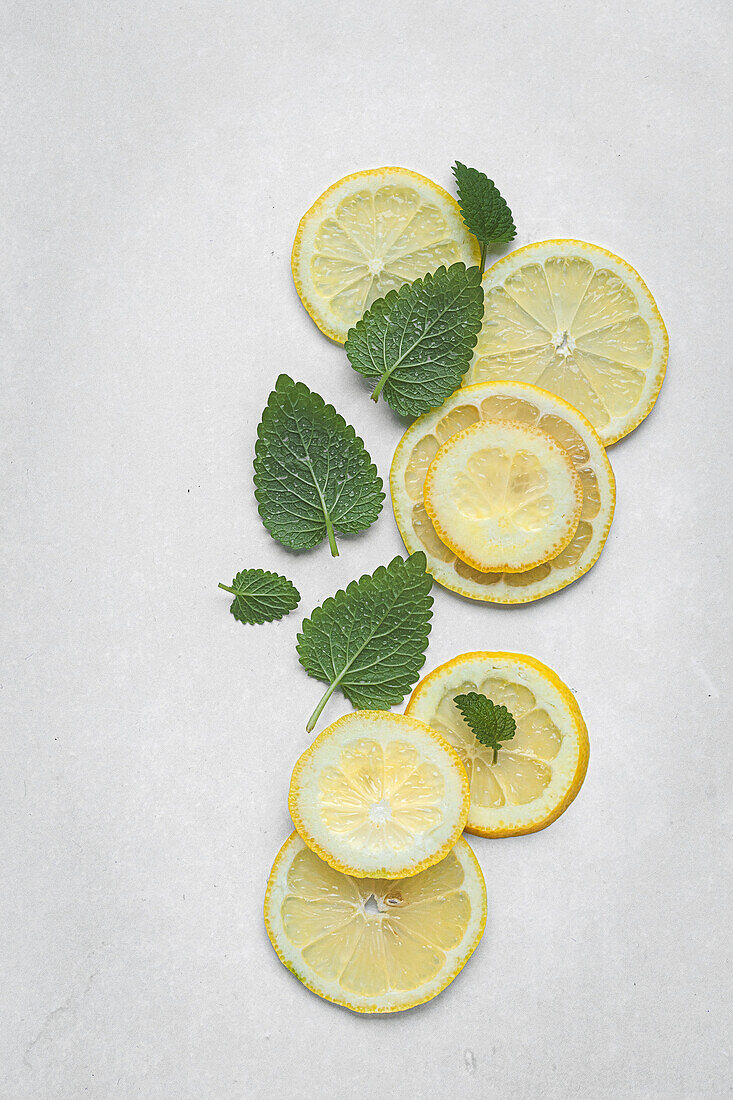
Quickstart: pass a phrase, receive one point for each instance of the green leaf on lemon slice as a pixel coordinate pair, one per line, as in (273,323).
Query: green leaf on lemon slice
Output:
(418,341)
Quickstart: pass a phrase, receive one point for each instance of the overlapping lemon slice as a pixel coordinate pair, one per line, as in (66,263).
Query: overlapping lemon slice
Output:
(523,404)
(374,944)
(572,318)
(379,794)
(503,496)
(537,773)
(368,234)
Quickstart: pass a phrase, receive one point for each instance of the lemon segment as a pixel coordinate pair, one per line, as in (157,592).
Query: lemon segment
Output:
(540,770)
(374,944)
(518,403)
(368,234)
(574,319)
(379,794)
(503,496)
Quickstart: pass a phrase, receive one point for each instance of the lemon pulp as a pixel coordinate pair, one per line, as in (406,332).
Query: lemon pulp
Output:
(503,496)
(368,234)
(374,944)
(574,319)
(380,795)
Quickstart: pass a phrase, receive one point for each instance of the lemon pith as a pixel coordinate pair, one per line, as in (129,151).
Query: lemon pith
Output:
(369,233)
(379,794)
(374,945)
(521,403)
(577,320)
(503,496)
(538,772)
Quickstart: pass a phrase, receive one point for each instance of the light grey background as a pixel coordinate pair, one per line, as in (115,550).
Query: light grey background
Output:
(156,160)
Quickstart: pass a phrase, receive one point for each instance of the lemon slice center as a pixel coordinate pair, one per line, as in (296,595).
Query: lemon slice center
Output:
(379,795)
(372,907)
(564,344)
(381,811)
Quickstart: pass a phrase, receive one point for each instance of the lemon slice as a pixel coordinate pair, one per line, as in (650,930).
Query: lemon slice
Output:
(503,496)
(368,234)
(539,771)
(379,794)
(374,944)
(572,318)
(523,404)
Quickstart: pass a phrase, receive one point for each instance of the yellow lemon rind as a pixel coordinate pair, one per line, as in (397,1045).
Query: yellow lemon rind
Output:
(329,857)
(373,1007)
(533,825)
(465,553)
(469,245)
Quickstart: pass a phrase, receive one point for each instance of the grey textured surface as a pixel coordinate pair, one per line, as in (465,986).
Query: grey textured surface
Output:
(156,160)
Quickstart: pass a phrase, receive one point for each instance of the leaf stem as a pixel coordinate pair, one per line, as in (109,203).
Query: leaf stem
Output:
(380,384)
(496,753)
(326,516)
(228,589)
(310,725)
(331,536)
(484,246)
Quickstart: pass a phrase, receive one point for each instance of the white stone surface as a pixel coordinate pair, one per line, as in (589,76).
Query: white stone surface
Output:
(156,160)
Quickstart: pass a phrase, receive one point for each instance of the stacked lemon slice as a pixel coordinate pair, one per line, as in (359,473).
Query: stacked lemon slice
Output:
(508,469)
(376,902)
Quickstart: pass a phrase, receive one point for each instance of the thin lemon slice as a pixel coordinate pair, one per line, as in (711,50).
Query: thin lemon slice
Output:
(572,318)
(374,944)
(539,771)
(368,234)
(523,404)
(503,496)
(379,794)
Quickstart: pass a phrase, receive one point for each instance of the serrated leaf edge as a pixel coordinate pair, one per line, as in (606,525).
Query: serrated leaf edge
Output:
(380,306)
(264,573)
(283,385)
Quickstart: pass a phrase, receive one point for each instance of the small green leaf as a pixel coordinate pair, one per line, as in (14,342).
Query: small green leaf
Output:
(369,639)
(261,597)
(485,212)
(313,476)
(490,723)
(417,343)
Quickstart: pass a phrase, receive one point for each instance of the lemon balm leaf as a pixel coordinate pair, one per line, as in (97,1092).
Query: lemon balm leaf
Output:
(485,212)
(260,596)
(490,723)
(417,342)
(369,640)
(313,476)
